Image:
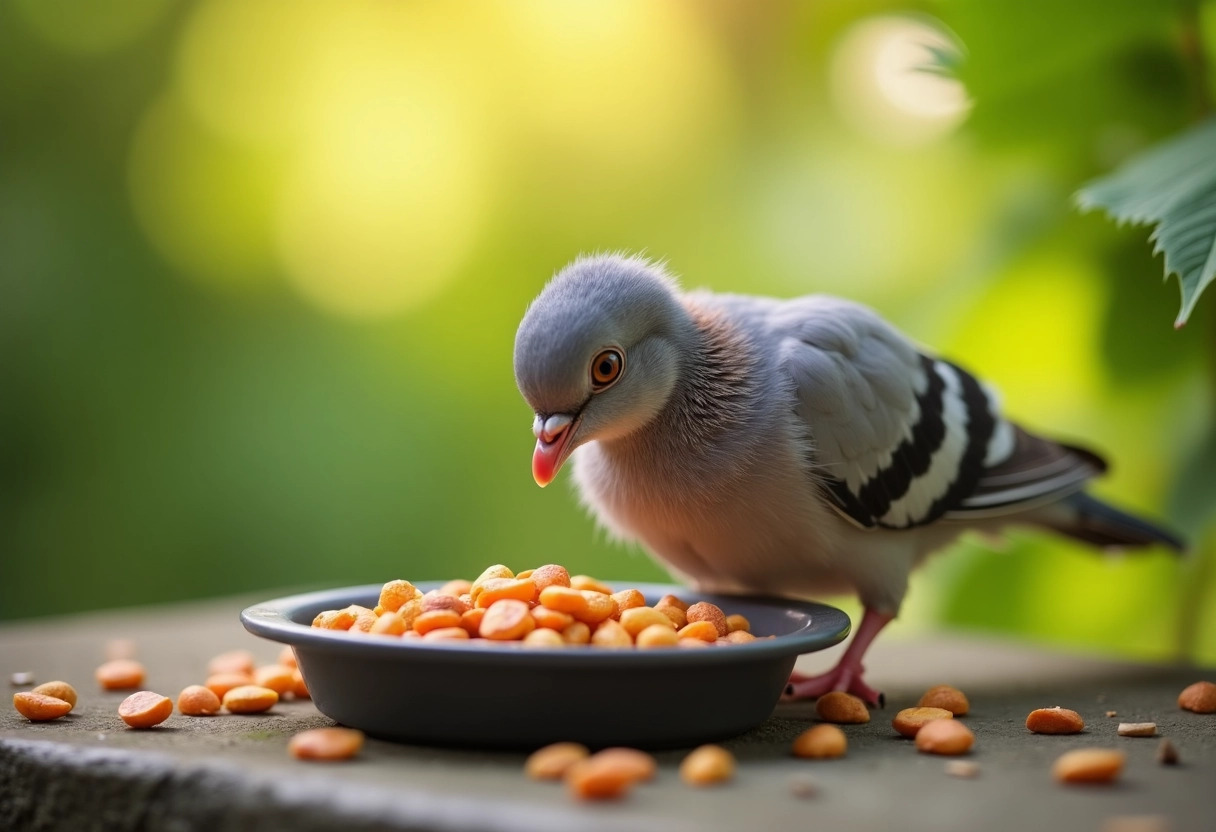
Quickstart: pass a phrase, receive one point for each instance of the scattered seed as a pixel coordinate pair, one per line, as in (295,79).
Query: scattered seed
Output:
(909,721)
(1055,720)
(37,707)
(197,700)
(21,678)
(944,736)
(221,683)
(947,697)
(120,674)
(59,690)
(278,677)
(1167,753)
(250,699)
(708,765)
(1089,765)
(1137,729)
(553,761)
(1199,697)
(145,709)
(326,744)
(593,779)
(609,773)
(842,708)
(638,764)
(822,742)
(1112,714)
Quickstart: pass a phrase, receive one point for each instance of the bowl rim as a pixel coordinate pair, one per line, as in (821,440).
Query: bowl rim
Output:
(273,620)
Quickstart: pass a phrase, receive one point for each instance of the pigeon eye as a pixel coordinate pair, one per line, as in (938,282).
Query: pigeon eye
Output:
(606,369)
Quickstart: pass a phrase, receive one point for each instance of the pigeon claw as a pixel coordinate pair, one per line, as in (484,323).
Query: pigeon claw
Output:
(842,677)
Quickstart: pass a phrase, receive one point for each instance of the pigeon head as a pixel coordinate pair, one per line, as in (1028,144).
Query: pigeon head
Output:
(598,354)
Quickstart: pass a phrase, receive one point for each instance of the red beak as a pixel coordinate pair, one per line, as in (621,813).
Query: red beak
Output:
(553,436)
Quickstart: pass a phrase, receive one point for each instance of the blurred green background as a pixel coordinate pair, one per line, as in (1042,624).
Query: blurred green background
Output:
(261,265)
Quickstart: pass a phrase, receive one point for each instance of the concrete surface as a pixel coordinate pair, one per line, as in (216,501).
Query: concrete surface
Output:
(89,772)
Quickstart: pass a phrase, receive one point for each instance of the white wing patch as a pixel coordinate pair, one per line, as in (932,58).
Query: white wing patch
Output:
(931,486)
(1000,446)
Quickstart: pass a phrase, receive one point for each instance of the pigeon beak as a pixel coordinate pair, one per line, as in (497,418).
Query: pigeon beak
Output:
(553,435)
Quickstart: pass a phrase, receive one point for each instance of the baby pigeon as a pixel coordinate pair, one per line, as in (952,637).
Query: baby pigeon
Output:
(794,447)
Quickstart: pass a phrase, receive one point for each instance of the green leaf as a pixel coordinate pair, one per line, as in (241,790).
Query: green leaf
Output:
(1172,186)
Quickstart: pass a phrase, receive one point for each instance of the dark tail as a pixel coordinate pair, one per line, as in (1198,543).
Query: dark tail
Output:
(1089,519)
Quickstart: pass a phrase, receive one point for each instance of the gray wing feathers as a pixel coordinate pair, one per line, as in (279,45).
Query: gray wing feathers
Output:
(854,378)
(902,439)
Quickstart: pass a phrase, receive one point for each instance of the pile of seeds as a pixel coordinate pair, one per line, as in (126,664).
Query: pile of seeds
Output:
(542,607)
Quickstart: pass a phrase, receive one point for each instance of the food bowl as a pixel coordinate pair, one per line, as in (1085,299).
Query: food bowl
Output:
(505,695)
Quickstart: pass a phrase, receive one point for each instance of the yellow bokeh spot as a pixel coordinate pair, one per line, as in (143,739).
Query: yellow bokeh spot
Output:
(205,203)
(245,66)
(391,127)
(88,26)
(386,198)
(883,82)
(611,87)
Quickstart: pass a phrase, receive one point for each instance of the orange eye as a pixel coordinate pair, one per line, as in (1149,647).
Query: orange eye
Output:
(606,368)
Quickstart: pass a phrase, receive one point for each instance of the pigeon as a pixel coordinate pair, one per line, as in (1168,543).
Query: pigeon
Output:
(784,447)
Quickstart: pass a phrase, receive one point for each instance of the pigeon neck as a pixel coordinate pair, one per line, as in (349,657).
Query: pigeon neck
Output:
(711,398)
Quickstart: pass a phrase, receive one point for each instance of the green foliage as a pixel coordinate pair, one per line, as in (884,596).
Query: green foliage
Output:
(1171,186)
(1068,79)
(172,427)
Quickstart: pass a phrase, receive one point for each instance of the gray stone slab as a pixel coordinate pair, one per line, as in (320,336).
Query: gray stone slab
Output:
(88,771)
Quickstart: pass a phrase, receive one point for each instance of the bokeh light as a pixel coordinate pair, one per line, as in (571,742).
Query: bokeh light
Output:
(245,68)
(206,202)
(387,201)
(889,84)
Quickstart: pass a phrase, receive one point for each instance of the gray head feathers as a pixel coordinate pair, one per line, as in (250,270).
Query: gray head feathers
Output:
(597,302)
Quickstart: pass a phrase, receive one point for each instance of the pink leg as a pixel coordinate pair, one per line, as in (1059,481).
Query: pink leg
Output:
(846,675)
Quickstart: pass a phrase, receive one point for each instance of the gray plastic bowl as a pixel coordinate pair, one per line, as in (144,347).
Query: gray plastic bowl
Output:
(509,696)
